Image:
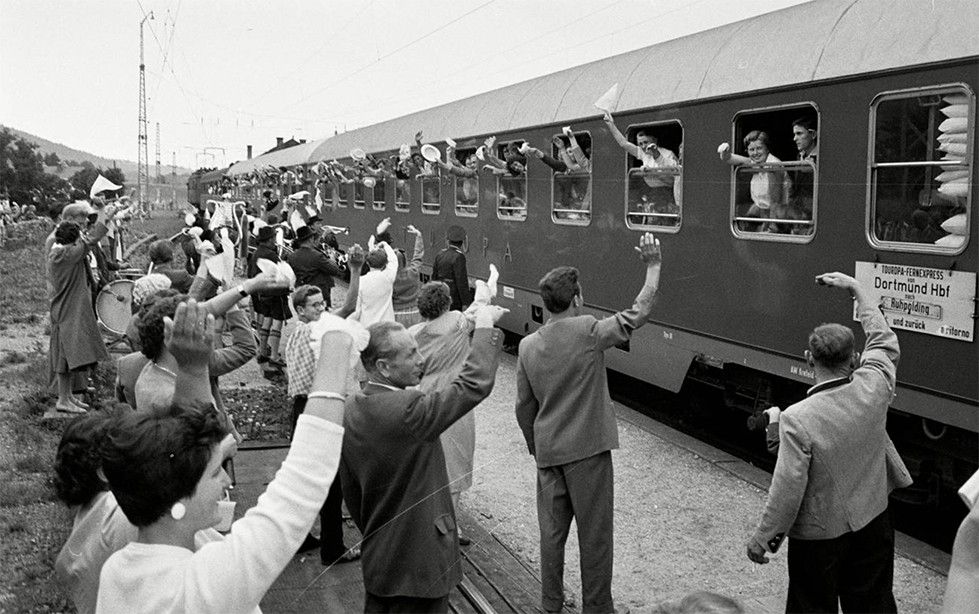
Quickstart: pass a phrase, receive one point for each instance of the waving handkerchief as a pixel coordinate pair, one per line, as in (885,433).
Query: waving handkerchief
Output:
(283,271)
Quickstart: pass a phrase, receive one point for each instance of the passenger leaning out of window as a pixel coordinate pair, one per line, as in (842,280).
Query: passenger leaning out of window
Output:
(769,188)
(646,149)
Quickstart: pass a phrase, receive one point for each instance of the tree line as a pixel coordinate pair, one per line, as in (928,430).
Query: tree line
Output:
(25,180)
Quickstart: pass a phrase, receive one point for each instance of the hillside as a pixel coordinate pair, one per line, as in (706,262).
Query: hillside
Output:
(66,153)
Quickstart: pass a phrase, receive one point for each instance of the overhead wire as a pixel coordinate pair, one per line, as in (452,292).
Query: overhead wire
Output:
(390,53)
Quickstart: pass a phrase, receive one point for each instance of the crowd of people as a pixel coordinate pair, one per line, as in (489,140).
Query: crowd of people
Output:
(383,389)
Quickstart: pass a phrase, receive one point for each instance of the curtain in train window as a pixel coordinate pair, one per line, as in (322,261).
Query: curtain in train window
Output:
(402,195)
(654,182)
(774,154)
(511,182)
(379,196)
(570,161)
(921,169)
(431,194)
(466,189)
(360,198)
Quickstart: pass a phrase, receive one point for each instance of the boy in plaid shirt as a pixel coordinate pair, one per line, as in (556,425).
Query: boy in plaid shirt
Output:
(309,304)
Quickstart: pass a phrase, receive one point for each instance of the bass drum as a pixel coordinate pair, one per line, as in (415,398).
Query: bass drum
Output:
(114,304)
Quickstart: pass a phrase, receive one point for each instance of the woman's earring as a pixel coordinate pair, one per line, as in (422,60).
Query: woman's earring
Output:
(178,511)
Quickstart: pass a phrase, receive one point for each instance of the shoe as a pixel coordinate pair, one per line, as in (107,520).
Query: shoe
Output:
(261,359)
(351,554)
(463,540)
(70,408)
(310,543)
(80,403)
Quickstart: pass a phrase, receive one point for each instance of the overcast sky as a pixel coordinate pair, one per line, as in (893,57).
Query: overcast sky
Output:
(223,74)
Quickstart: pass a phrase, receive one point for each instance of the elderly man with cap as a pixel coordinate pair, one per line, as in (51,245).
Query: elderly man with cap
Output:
(450,267)
(76,343)
(311,265)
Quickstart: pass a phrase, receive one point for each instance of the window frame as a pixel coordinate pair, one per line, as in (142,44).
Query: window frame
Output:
(628,168)
(591,176)
(787,166)
(455,190)
(501,146)
(362,203)
(379,181)
(872,165)
(427,208)
(401,206)
(345,195)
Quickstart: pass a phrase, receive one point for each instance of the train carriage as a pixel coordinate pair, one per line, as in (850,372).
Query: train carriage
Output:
(889,88)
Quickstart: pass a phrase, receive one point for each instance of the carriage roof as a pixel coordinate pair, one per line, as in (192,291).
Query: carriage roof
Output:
(811,42)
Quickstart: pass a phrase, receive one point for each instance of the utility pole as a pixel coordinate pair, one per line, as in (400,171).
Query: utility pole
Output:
(159,177)
(142,158)
(173,182)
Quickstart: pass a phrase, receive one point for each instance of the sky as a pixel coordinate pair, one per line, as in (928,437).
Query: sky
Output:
(224,74)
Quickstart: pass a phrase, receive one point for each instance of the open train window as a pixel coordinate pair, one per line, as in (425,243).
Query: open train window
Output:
(431,194)
(654,180)
(346,190)
(511,183)
(402,195)
(329,193)
(774,175)
(359,194)
(466,189)
(379,194)
(570,159)
(920,169)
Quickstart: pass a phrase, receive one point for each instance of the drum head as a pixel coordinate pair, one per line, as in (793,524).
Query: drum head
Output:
(113,306)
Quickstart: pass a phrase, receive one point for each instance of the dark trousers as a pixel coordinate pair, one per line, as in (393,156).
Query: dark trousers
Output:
(582,490)
(331,514)
(855,569)
(414,605)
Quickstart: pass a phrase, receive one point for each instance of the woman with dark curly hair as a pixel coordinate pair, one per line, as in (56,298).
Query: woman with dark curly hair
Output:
(99,528)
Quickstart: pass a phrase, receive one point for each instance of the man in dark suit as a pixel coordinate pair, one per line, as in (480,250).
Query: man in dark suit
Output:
(567,418)
(393,470)
(835,469)
(311,265)
(450,267)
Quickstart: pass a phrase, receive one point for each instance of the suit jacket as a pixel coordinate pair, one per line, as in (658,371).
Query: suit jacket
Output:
(563,405)
(315,268)
(450,267)
(831,476)
(394,480)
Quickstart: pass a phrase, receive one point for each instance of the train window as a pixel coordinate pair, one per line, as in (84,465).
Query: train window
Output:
(346,190)
(920,169)
(431,194)
(570,160)
(654,181)
(466,189)
(511,183)
(774,173)
(359,194)
(378,195)
(402,195)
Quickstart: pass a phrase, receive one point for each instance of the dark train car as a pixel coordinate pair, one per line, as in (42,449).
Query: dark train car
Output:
(888,87)
(205,183)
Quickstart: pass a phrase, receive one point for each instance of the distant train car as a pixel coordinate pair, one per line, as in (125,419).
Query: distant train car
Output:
(887,91)
(205,183)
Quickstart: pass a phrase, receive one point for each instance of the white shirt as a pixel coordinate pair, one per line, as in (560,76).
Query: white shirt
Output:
(231,575)
(374,297)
